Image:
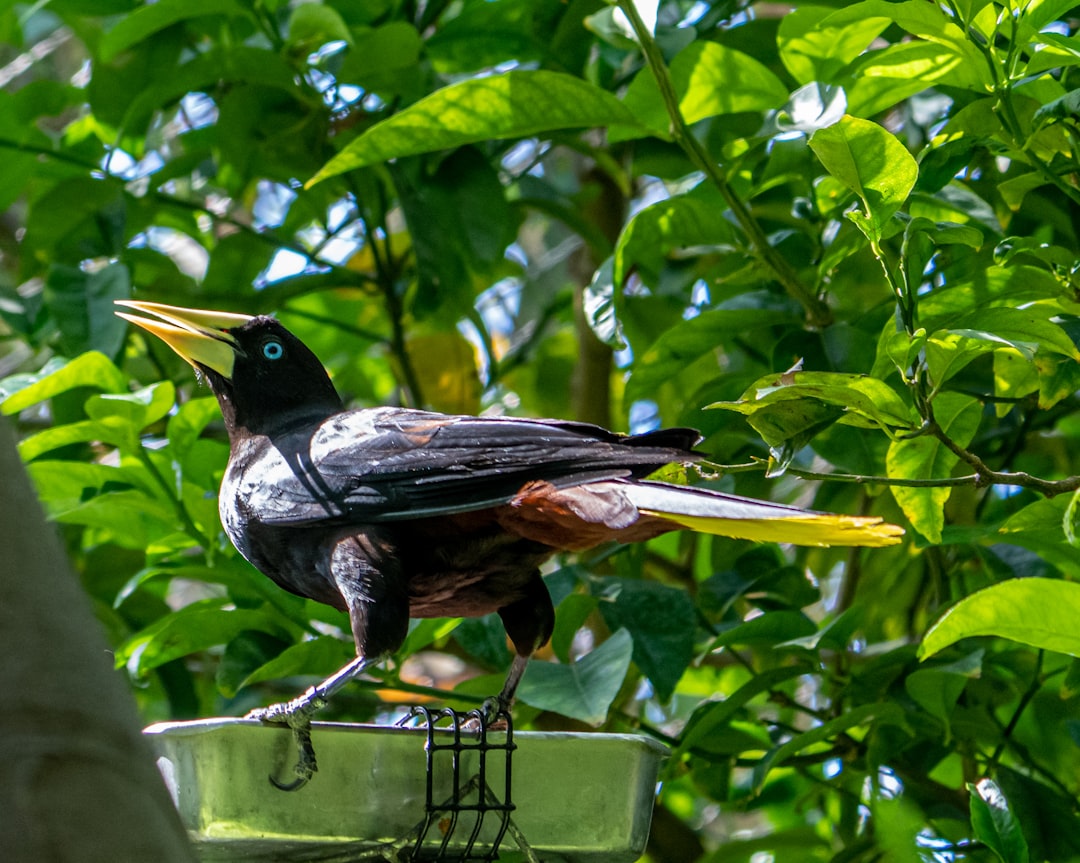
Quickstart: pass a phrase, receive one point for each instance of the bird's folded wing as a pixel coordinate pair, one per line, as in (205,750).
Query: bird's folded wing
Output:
(391,464)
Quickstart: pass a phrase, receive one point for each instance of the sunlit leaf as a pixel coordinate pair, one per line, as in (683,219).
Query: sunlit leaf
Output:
(861,398)
(995,824)
(91,369)
(1040,612)
(709,79)
(872,163)
(927,458)
(195,627)
(514,104)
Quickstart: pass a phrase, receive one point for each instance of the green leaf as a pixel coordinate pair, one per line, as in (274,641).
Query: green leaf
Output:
(234,581)
(188,422)
(53,438)
(454,265)
(766,630)
(515,104)
(813,50)
(570,616)
(313,25)
(1024,329)
(992,287)
(199,626)
(947,354)
(691,340)
(316,657)
(872,163)
(584,689)
(485,639)
(81,303)
(883,712)
(483,35)
(925,457)
(139,409)
(994,824)
(964,63)
(864,400)
(92,369)
(150,19)
(681,223)
(598,305)
(714,715)
(381,58)
(250,649)
(132,519)
(710,79)
(423,633)
(1039,612)
(937,689)
(662,622)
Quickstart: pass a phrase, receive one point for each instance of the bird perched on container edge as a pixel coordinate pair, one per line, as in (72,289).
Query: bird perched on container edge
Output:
(392,513)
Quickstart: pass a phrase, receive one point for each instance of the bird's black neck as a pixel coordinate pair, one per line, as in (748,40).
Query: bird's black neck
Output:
(243,421)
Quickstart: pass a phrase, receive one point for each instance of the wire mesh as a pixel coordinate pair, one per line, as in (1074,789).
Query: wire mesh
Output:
(471,754)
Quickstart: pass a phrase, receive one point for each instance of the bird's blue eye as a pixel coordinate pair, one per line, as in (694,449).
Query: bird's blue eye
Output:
(273,350)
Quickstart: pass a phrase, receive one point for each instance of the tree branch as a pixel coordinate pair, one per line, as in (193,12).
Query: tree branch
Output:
(817,312)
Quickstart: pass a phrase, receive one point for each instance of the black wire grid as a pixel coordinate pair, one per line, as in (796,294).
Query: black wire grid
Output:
(441,833)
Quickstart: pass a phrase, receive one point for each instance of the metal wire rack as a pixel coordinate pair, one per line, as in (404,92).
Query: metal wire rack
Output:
(477,751)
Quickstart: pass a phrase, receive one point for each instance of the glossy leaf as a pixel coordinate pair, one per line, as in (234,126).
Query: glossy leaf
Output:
(91,369)
(710,79)
(872,163)
(513,104)
(995,824)
(198,626)
(1036,611)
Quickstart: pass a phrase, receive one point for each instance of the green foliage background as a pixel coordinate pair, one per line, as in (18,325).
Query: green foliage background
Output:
(840,239)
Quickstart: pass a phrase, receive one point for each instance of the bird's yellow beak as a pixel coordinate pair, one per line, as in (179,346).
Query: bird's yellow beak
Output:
(200,337)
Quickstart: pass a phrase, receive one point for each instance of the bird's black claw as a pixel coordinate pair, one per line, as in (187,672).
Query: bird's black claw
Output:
(491,715)
(492,707)
(296,714)
(306,765)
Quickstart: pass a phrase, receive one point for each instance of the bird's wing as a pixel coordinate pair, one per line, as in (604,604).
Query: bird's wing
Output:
(390,464)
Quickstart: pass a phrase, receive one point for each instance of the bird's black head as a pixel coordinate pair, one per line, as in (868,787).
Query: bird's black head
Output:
(264,377)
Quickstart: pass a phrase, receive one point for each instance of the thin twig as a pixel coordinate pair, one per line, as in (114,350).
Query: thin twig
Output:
(817,312)
(1021,706)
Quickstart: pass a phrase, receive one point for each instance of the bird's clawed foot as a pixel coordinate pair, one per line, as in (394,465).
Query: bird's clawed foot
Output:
(495,709)
(296,714)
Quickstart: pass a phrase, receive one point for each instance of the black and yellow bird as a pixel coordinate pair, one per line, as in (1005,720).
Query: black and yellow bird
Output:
(392,513)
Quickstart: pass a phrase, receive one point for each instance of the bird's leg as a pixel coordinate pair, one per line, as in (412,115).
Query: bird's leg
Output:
(298,712)
(529,622)
(501,703)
